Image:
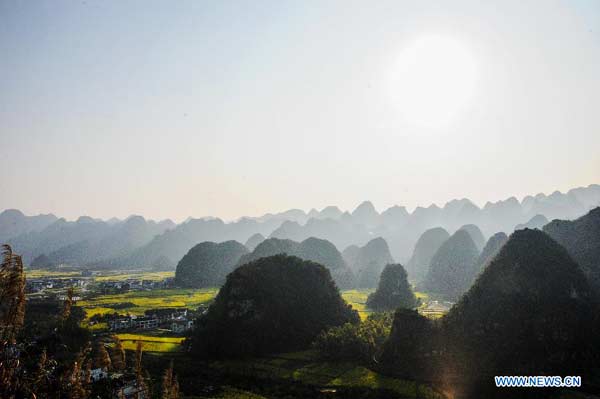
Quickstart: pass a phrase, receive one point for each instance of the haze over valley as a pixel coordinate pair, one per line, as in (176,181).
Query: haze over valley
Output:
(137,243)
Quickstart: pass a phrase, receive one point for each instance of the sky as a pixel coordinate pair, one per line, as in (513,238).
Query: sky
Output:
(231,108)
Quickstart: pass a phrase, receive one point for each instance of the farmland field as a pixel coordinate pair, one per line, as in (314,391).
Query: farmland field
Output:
(151,343)
(137,302)
(56,274)
(358,300)
(143,275)
(306,368)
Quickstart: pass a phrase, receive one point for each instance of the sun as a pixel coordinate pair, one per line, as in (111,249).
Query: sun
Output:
(433,80)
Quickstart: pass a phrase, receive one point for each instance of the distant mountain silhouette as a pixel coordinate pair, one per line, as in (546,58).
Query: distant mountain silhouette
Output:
(581,238)
(270,247)
(452,268)
(174,243)
(254,240)
(536,222)
(322,252)
(367,262)
(78,241)
(208,263)
(365,214)
(425,248)
(338,232)
(14,223)
(87,240)
(329,212)
(270,305)
(475,234)
(530,312)
(313,249)
(491,249)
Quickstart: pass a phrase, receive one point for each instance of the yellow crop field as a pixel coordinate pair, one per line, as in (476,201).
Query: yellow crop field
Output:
(358,300)
(151,343)
(148,276)
(141,301)
(56,274)
(92,311)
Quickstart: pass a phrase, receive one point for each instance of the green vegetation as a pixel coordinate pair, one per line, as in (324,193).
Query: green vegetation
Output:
(452,268)
(313,249)
(307,368)
(273,304)
(530,298)
(491,249)
(361,342)
(580,238)
(393,290)
(372,258)
(208,263)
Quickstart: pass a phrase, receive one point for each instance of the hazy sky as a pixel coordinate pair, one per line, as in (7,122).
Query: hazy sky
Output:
(172,109)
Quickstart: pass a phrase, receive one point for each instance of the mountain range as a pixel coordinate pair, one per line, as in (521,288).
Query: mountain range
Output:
(139,243)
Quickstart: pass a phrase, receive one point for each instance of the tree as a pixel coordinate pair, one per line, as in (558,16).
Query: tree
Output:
(170,385)
(118,354)
(12,313)
(142,388)
(68,304)
(393,290)
(102,358)
(12,295)
(77,378)
(359,342)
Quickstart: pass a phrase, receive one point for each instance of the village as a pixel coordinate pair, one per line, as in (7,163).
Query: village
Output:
(119,303)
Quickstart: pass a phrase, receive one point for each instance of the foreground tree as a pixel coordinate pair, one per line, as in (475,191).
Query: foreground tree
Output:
(118,354)
(359,342)
(170,386)
(12,295)
(102,358)
(393,290)
(142,387)
(12,313)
